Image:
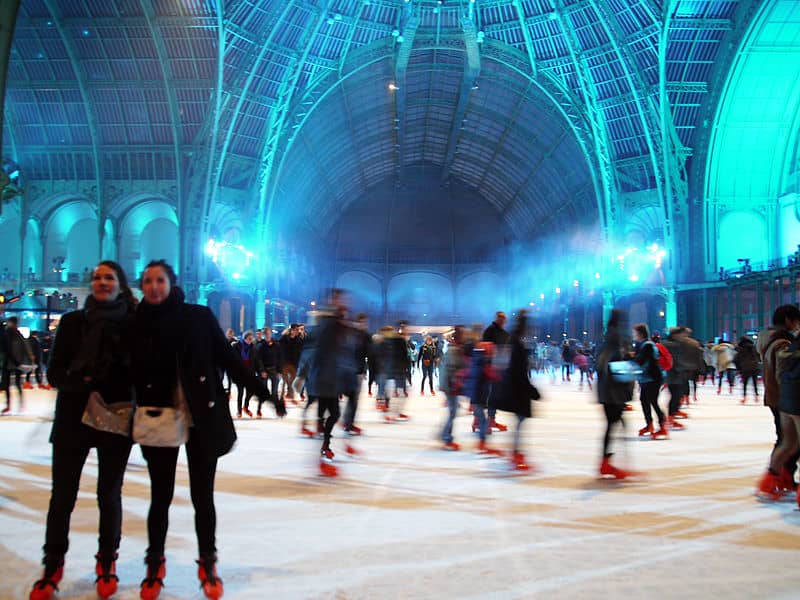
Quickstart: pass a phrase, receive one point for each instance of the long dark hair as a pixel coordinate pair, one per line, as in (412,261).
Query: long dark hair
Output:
(124,287)
(520,325)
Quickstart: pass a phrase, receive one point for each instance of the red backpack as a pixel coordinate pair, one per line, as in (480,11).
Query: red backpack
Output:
(664,357)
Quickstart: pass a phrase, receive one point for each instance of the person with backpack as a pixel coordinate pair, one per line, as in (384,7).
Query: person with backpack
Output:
(646,354)
(779,477)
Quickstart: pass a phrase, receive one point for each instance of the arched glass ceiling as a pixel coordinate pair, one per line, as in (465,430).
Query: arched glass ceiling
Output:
(512,145)
(756,120)
(125,90)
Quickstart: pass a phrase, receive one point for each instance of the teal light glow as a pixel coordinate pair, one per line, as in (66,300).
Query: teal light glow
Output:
(233,260)
(754,130)
(742,234)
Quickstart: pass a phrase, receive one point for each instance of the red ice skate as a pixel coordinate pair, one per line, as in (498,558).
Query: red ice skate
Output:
(47,586)
(107,580)
(209,582)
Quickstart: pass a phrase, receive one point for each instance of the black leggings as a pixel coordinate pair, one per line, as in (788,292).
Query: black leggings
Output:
(247,395)
(161,464)
(747,377)
(331,405)
(648,394)
(37,373)
(67,467)
(676,392)
(613,415)
(7,373)
(427,371)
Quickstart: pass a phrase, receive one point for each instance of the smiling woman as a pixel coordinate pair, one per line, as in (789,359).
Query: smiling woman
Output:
(89,357)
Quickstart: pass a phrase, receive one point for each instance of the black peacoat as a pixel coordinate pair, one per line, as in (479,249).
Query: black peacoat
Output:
(74,390)
(203,353)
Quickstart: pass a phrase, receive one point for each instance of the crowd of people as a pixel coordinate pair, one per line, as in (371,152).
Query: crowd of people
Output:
(160,372)
(20,359)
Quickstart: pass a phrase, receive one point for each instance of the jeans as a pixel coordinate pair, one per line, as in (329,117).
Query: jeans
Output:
(477,411)
(791,462)
(730,374)
(427,371)
(161,464)
(67,467)
(382,379)
(452,408)
(289,373)
(518,432)
(352,405)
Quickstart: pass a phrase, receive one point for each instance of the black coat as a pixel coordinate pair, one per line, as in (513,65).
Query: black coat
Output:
(609,391)
(746,359)
(256,364)
(189,337)
(515,392)
(324,344)
(291,349)
(270,354)
(496,334)
(73,390)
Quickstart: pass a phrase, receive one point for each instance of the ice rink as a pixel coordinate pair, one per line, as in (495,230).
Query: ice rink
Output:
(406,519)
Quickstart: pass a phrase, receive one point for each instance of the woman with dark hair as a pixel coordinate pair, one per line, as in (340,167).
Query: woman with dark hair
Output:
(89,355)
(649,382)
(179,344)
(612,394)
(516,389)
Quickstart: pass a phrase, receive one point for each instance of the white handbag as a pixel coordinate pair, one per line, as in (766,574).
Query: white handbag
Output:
(111,418)
(163,426)
(625,371)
